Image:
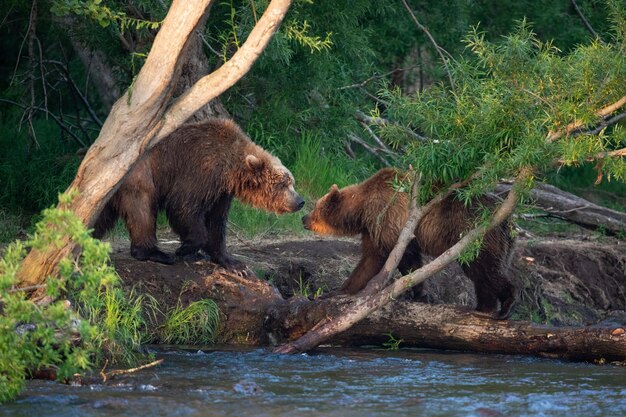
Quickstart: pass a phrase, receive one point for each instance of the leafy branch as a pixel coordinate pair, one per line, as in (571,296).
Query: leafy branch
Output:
(299,32)
(103,15)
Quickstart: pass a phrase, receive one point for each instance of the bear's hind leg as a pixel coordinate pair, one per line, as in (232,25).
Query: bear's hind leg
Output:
(508,297)
(188,224)
(411,261)
(139,214)
(499,243)
(106,220)
(480,271)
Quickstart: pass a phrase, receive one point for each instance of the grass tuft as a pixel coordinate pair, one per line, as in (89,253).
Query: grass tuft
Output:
(195,324)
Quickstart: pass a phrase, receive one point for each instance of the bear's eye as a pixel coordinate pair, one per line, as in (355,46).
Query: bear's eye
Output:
(282,182)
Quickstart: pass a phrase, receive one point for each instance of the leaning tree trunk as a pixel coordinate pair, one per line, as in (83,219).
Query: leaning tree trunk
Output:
(194,68)
(142,117)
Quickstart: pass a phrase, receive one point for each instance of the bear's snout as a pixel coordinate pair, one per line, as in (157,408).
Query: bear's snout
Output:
(296,203)
(299,203)
(306,222)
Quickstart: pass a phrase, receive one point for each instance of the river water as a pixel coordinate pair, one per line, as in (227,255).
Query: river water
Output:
(337,382)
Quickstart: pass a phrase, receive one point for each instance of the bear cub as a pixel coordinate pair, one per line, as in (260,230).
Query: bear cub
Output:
(193,175)
(378,213)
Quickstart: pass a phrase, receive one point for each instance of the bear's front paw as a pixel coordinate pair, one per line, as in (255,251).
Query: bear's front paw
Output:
(151,254)
(234,266)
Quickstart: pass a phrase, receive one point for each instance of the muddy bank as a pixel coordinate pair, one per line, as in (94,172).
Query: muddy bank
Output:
(564,282)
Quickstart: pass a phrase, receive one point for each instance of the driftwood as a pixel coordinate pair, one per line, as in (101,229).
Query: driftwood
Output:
(567,206)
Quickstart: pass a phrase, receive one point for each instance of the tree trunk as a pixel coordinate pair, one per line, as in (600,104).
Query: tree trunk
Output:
(574,209)
(195,67)
(141,117)
(100,73)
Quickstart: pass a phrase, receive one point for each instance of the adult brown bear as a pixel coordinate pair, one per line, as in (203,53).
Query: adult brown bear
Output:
(378,213)
(193,175)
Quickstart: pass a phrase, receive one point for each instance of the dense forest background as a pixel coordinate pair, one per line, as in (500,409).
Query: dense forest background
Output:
(65,62)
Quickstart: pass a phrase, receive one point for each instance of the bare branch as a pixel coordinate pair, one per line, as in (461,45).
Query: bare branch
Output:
(611,154)
(373,97)
(597,157)
(376,77)
(33,12)
(30,288)
(6,16)
(585,21)
(43,79)
(97,69)
(378,141)
(207,44)
(370,149)
(573,209)
(68,78)
(439,49)
(607,122)
(380,121)
(116,372)
(32,35)
(58,121)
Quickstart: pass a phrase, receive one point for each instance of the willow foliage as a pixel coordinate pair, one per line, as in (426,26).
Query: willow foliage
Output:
(509,96)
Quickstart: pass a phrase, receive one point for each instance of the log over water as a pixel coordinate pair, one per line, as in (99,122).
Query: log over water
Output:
(255,314)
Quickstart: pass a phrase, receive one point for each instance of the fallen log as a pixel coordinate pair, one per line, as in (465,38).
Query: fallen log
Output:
(574,209)
(254,314)
(454,328)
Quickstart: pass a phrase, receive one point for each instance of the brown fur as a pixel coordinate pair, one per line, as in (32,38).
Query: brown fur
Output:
(193,175)
(378,213)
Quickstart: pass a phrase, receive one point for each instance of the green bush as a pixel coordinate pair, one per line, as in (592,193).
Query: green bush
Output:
(83,318)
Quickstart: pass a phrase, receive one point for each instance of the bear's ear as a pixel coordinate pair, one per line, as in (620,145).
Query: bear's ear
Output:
(333,194)
(253,163)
